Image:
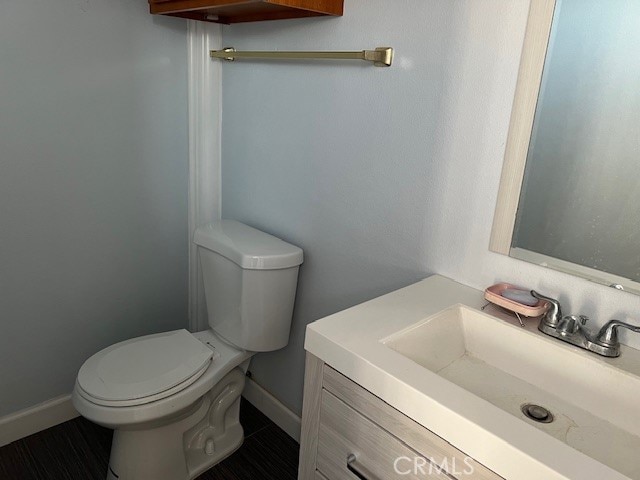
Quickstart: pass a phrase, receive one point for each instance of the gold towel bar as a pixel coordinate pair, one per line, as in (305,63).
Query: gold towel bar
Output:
(381,56)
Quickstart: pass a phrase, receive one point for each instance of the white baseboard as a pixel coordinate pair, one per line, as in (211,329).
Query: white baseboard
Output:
(58,410)
(35,419)
(273,408)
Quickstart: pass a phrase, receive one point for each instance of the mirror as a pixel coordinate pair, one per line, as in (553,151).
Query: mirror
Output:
(570,191)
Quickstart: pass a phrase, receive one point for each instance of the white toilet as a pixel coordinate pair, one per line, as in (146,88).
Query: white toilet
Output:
(173,398)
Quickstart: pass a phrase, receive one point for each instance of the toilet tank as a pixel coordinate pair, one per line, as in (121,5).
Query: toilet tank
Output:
(250,280)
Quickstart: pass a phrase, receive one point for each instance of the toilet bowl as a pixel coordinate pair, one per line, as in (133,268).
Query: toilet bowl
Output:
(173,398)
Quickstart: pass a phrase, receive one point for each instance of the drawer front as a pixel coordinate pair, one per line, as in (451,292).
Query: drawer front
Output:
(350,446)
(408,432)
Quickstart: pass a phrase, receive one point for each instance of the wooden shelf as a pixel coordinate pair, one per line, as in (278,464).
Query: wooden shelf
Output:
(236,11)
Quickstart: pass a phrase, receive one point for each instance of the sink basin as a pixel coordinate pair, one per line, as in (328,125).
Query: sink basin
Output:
(594,402)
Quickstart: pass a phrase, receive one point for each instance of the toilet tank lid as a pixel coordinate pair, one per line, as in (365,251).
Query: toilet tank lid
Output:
(247,247)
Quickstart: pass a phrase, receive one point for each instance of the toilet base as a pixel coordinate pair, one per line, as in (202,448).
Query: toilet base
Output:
(185,445)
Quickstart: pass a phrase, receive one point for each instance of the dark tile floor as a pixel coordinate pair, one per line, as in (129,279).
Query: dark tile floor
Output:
(79,450)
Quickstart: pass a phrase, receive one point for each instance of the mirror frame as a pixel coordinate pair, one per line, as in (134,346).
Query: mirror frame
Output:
(534,52)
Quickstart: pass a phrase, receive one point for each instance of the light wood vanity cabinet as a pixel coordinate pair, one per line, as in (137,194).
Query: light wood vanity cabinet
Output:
(236,11)
(349,433)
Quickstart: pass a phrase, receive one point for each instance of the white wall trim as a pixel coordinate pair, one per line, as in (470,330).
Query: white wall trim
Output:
(205,109)
(273,408)
(35,419)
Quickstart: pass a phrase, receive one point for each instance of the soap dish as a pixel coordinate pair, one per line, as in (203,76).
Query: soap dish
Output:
(494,295)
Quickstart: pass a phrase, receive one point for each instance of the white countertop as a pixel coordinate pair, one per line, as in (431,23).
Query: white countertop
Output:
(349,341)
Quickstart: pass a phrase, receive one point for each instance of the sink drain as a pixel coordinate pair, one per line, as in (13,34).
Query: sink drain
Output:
(537,413)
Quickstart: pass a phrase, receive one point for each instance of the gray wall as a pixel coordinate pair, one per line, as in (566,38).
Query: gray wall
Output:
(93,186)
(581,200)
(382,176)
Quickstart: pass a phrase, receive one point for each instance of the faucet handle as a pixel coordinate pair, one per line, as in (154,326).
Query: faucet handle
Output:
(608,335)
(554,314)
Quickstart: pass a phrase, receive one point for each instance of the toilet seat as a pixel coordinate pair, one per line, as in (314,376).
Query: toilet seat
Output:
(144,369)
(153,409)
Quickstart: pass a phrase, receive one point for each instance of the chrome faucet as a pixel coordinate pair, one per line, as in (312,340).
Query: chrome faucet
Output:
(570,329)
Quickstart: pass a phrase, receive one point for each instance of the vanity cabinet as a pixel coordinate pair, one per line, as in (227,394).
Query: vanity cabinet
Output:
(236,11)
(349,433)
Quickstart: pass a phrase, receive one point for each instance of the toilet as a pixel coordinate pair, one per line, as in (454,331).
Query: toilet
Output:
(173,398)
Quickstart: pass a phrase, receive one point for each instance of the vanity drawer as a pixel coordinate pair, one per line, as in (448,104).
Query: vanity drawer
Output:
(341,420)
(398,426)
(375,454)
